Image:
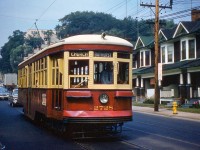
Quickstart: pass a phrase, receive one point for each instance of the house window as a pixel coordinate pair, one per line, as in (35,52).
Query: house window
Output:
(145,58)
(167,53)
(191,44)
(134,64)
(188,48)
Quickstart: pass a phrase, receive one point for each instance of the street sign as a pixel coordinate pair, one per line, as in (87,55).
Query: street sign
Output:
(160,71)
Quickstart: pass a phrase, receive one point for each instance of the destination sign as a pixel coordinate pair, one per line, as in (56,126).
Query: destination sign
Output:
(79,54)
(102,54)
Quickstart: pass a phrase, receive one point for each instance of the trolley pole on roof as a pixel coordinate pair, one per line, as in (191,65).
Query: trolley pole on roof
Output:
(37,30)
(156,40)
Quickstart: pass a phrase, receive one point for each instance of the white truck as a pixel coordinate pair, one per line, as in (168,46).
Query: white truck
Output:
(10,80)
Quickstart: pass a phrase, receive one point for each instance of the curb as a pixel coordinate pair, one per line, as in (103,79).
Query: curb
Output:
(170,114)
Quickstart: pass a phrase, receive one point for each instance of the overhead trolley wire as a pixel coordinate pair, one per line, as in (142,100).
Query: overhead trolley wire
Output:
(43,13)
(46,10)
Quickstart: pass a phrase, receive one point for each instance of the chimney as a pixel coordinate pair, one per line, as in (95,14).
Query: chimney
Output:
(195,15)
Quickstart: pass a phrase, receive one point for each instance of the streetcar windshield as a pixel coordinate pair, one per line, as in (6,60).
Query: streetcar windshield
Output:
(123,73)
(103,72)
(78,72)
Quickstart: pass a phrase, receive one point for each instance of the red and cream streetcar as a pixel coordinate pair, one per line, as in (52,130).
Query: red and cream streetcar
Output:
(83,81)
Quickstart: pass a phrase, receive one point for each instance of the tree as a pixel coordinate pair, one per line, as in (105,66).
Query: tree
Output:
(34,42)
(85,23)
(15,40)
(17,54)
(48,35)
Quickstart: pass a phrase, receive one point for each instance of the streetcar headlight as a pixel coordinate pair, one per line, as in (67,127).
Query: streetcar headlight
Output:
(103,98)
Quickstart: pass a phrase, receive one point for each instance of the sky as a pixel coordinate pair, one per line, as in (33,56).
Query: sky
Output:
(22,14)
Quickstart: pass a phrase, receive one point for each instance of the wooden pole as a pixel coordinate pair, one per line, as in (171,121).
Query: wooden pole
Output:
(156,88)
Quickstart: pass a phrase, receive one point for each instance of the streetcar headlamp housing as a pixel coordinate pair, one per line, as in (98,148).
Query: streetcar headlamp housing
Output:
(103,98)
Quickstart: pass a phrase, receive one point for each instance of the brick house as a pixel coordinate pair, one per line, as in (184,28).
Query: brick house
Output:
(180,57)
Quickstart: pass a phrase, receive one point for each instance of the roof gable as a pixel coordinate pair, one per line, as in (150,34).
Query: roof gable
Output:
(144,41)
(180,30)
(139,43)
(162,36)
(166,34)
(187,27)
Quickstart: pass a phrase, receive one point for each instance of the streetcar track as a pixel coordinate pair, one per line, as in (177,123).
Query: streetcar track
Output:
(83,147)
(134,144)
(169,128)
(166,137)
(118,139)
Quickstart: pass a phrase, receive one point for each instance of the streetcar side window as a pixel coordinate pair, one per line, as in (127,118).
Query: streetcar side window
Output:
(57,74)
(103,72)
(123,73)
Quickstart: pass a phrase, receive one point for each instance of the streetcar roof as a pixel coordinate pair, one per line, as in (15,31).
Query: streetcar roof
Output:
(87,39)
(96,39)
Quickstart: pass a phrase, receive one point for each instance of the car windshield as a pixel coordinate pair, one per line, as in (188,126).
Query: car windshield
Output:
(15,91)
(3,90)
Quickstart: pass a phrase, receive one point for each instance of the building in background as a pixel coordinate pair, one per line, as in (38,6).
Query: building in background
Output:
(49,36)
(180,58)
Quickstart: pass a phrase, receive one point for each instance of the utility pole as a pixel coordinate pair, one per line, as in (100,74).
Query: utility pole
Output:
(157,91)
(156,40)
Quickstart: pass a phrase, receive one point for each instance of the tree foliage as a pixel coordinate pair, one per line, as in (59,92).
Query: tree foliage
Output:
(17,54)
(48,35)
(15,40)
(85,23)
(34,42)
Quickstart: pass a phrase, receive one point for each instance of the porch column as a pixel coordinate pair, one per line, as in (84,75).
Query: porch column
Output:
(189,86)
(137,90)
(142,89)
(182,93)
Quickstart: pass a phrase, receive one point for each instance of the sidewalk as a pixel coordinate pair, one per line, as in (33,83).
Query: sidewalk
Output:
(167,113)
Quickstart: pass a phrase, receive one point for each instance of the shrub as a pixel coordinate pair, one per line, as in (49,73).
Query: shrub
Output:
(148,101)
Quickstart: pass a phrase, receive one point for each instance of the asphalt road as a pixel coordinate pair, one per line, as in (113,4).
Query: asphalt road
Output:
(144,132)
(19,133)
(160,132)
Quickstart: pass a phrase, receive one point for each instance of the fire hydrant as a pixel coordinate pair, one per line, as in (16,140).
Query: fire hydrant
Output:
(174,105)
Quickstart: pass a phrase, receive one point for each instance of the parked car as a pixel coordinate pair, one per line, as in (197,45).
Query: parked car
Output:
(4,93)
(14,98)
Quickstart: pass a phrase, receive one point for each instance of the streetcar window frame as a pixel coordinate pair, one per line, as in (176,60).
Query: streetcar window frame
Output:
(123,55)
(103,72)
(78,73)
(123,73)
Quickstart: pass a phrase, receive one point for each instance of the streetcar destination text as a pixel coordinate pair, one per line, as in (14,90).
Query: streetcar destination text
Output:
(79,54)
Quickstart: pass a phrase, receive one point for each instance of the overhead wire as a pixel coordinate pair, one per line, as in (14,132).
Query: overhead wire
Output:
(180,12)
(36,20)
(141,13)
